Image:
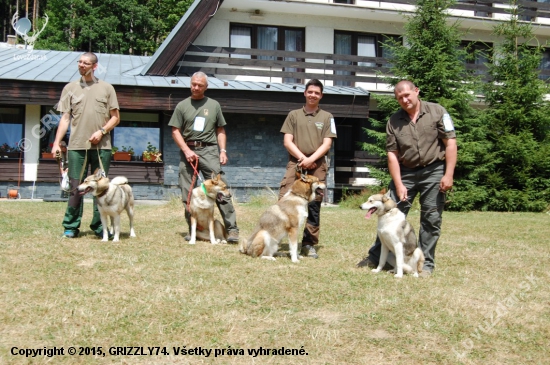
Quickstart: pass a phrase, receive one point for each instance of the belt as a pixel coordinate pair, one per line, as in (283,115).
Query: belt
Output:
(417,168)
(199,144)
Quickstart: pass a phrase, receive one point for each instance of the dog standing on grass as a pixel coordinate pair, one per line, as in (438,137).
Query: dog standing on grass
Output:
(201,209)
(283,219)
(396,235)
(112,196)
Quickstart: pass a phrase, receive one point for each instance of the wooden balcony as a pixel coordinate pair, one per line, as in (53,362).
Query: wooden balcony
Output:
(297,66)
(529,10)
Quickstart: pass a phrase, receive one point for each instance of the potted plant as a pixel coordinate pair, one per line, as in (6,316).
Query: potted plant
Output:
(47,152)
(125,154)
(7,151)
(151,154)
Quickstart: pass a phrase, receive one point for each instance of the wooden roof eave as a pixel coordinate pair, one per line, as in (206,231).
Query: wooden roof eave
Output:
(186,31)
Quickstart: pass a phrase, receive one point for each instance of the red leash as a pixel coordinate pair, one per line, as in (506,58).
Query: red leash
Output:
(195,174)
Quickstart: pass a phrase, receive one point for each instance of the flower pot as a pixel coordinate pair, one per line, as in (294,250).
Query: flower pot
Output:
(47,155)
(122,156)
(10,154)
(149,159)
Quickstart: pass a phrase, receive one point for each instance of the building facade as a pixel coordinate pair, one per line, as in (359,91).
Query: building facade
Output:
(258,55)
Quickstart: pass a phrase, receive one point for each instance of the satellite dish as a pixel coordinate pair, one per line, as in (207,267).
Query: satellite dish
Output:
(22,26)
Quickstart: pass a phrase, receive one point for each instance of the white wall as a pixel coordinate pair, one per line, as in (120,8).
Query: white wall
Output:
(32,144)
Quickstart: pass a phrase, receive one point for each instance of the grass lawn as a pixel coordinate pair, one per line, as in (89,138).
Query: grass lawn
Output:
(487,303)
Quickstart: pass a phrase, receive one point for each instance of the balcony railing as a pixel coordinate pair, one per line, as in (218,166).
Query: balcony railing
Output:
(528,10)
(244,62)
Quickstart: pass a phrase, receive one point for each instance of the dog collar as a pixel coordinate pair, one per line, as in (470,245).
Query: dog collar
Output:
(204,189)
(102,193)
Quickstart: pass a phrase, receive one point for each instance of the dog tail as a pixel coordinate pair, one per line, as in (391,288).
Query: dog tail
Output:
(119,180)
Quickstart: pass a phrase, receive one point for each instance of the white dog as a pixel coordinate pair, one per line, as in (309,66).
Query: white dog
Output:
(396,235)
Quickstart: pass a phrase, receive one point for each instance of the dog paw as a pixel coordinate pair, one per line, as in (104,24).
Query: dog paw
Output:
(415,274)
(192,242)
(375,271)
(223,242)
(399,276)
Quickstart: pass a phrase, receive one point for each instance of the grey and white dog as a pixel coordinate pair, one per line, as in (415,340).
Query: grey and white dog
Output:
(112,196)
(397,236)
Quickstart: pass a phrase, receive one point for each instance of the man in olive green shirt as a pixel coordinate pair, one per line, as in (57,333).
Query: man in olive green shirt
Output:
(198,130)
(308,134)
(422,153)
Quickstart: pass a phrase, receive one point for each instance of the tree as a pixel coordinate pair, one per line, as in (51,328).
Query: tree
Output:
(433,59)
(108,26)
(517,173)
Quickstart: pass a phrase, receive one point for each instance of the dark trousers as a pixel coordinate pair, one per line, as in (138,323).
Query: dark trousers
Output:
(313,224)
(209,163)
(73,213)
(424,181)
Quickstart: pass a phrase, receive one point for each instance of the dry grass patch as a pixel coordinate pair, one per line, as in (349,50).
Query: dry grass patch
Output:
(487,302)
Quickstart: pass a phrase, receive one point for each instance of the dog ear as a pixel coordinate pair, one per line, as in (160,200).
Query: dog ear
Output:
(97,173)
(386,197)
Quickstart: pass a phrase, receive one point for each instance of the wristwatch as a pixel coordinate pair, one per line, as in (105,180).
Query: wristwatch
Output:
(223,150)
(103,131)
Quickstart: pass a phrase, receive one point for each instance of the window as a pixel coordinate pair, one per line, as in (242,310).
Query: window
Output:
(479,54)
(136,130)
(269,38)
(343,1)
(357,44)
(48,127)
(545,65)
(11,129)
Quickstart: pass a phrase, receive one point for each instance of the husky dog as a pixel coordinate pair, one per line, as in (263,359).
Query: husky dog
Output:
(112,196)
(201,209)
(283,219)
(396,235)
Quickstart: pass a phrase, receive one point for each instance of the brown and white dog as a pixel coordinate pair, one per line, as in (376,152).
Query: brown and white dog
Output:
(201,209)
(112,197)
(284,219)
(396,235)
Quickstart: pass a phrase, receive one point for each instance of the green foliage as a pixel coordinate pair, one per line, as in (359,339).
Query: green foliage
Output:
(109,26)
(516,174)
(433,60)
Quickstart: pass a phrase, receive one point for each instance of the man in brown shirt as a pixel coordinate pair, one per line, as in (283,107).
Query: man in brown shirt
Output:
(308,134)
(422,152)
(90,107)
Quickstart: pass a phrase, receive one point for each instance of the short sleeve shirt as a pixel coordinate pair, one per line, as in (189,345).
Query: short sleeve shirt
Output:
(421,143)
(309,129)
(90,105)
(198,119)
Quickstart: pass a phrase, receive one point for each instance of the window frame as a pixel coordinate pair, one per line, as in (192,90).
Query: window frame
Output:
(19,120)
(379,39)
(281,43)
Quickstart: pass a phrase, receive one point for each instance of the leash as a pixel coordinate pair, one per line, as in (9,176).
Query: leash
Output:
(82,170)
(195,174)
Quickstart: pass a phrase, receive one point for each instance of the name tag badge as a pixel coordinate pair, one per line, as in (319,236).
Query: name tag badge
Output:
(448,123)
(332,126)
(198,125)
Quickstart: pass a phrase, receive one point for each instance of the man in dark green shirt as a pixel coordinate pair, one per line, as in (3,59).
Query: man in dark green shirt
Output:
(198,130)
